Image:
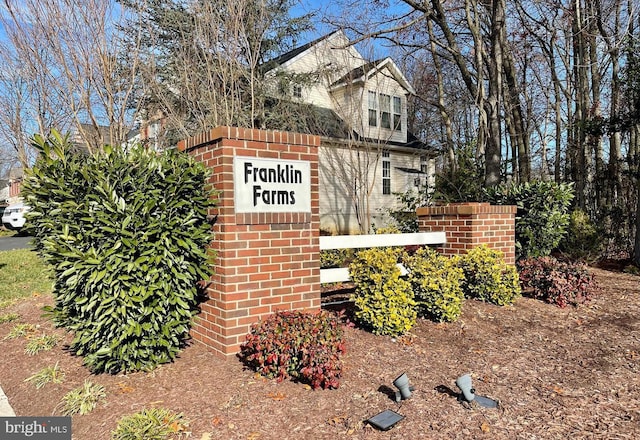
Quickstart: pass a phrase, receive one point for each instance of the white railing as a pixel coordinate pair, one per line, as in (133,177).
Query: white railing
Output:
(340,274)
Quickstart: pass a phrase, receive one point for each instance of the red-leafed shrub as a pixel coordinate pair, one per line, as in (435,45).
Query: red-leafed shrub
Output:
(556,282)
(302,346)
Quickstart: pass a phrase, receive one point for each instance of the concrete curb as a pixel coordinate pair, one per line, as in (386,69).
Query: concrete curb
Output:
(5,408)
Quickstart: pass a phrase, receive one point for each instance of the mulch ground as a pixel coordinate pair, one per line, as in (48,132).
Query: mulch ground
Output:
(557,373)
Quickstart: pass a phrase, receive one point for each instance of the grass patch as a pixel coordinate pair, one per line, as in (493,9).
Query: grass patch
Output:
(41,343)
(151,424)
(21,330)
(8,317)
(84,399)
(22,274)
(46,375)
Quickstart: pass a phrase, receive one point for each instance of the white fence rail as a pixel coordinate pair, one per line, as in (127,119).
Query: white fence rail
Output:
(340,274)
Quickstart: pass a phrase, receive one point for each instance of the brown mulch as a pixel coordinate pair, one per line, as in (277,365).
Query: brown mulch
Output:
(558,374)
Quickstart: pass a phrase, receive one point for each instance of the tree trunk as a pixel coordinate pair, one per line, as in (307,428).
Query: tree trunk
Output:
(493,153)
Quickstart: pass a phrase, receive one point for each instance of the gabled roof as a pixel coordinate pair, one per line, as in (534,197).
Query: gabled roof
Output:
(288,56)
(366,71)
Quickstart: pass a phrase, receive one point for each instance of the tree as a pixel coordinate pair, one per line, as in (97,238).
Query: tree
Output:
(204,60)
(75,72)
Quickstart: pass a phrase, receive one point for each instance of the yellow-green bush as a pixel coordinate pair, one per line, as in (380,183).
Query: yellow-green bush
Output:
(488,278)
(384,301)
(584,240)
(388,229)
(436,282)
(335,257)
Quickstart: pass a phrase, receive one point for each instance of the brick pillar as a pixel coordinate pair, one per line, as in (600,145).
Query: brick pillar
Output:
(468,225)
(266,259)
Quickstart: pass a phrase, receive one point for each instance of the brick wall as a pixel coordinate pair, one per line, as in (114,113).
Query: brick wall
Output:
(265,261)
(14,187)
(468,225)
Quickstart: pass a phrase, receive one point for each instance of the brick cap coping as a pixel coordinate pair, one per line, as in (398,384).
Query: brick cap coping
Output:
(248,134)
(466,209)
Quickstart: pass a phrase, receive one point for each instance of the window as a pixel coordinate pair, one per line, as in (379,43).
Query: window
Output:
(397,113)
(297,91)
(386,173)
(390,111)
(385,111)
(373,109)
(424,164)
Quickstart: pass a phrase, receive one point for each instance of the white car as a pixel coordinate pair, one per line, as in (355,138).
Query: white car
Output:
(13,217)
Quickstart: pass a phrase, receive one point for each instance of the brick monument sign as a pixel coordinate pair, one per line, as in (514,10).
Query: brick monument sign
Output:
(266,232)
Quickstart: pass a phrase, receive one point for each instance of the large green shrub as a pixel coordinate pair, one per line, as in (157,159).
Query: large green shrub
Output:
(292,344)
(542,217)
(488,278)
(126,232)
(436,283)
(384,301)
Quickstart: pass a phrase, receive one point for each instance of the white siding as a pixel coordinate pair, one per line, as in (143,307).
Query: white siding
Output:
(340,167)
(328,61)
(343,166)
(384,83)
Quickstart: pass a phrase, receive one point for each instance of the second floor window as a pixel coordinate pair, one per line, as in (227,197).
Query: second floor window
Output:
(297,91)
(373,109)
(397,113)
(385,111)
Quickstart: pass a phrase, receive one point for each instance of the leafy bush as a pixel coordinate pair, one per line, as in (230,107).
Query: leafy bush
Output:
(557,282)
(488,278)
(151,424)
(293,344)
(436,282)
(384,301)
(583,240)
(84,399)
(542,217)
(126,233)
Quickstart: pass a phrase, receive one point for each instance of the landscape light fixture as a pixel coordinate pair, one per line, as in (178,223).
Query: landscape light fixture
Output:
(385,420)
(402,383)
(469,393)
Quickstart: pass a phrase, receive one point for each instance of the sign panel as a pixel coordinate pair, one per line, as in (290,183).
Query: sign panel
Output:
(271,185)
(35,428)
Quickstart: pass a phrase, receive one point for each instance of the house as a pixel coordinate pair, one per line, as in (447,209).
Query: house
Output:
(367,154)
(10,186)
